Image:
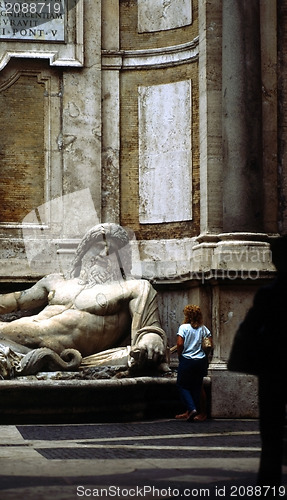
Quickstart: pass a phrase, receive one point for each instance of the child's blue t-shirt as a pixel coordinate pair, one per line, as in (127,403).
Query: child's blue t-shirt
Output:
(192,347)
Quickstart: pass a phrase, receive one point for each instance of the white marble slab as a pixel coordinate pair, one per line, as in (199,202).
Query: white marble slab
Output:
(165,152)
(158,15)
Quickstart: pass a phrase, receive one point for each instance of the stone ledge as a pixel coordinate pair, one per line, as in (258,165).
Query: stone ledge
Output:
(28,400)
(75,401)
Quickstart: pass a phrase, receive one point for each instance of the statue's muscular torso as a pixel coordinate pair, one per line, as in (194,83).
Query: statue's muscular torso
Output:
(90,319)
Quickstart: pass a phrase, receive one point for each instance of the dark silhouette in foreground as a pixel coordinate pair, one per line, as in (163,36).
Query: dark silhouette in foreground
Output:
(259,348)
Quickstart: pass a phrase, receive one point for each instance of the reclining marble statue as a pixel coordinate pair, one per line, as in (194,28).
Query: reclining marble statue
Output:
(99,315)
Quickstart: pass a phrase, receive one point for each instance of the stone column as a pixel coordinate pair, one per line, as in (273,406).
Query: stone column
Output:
(242,123)
(210,121)
(110,76)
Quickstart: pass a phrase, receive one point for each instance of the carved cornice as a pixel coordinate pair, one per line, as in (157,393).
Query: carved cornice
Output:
(151,58)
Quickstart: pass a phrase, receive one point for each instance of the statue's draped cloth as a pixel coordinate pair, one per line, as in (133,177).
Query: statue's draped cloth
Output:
(145,320)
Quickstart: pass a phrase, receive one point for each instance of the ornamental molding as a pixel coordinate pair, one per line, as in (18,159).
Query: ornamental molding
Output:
(151,58)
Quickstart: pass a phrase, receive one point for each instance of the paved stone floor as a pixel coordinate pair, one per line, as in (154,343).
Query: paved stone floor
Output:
(150,459)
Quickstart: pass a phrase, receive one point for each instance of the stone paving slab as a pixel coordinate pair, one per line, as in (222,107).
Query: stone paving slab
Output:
(155,428)
(148,459)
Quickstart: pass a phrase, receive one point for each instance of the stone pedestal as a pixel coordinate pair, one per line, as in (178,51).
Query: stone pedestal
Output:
(233,395)
(31,400)
(225,272)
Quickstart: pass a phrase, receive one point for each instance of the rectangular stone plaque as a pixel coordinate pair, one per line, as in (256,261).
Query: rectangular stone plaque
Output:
(34,21)
(160,15)
(165,152)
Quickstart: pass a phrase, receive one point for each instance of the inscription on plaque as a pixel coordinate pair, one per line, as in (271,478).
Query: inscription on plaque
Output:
(33,21)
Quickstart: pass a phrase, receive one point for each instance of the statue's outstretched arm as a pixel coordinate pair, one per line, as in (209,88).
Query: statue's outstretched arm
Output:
(148,339)
(31,298)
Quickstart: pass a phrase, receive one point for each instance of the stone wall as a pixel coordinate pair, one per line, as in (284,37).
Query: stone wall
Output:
(159,193)
(22,160)
(282,92)
(147,122)
(148,68)
(50,145)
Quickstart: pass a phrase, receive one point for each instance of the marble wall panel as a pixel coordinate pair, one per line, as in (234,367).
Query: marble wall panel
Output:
(165,157)
(158,15)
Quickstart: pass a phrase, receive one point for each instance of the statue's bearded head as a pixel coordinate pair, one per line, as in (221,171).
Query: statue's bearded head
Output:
(99,258)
